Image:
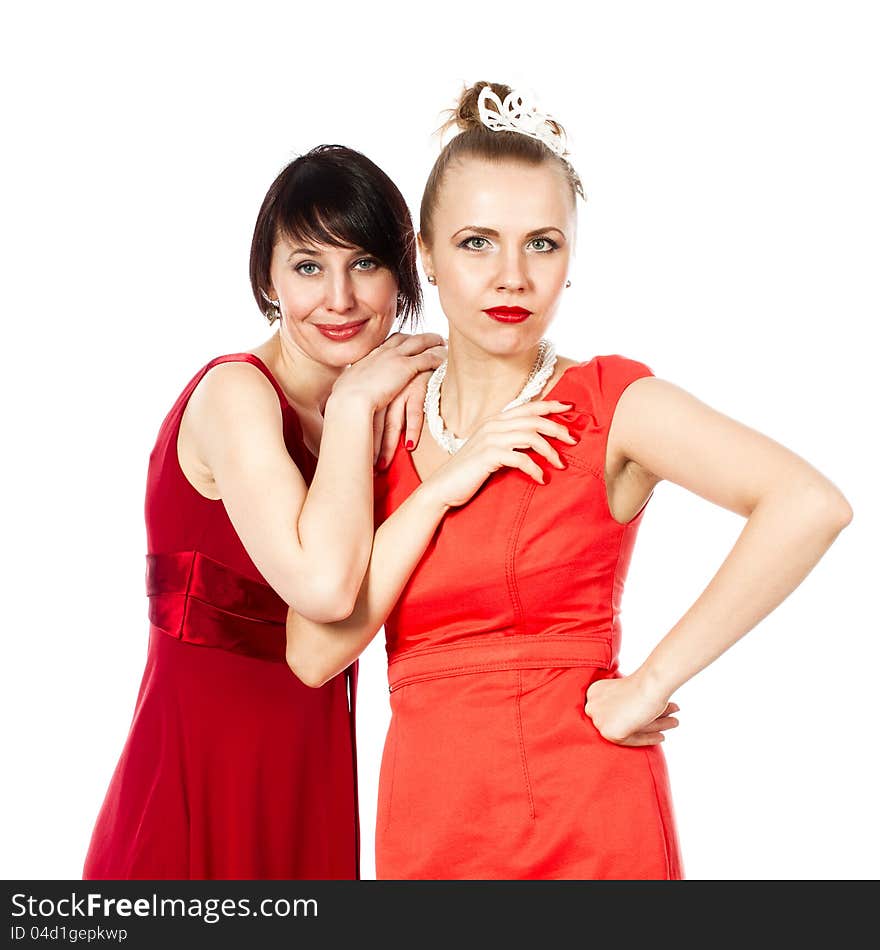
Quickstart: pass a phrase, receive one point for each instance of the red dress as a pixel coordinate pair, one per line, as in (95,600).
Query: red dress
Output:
(491,768)
(232,767)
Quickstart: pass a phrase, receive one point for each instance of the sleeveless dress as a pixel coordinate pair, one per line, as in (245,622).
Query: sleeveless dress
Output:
(233,768)
(491,769)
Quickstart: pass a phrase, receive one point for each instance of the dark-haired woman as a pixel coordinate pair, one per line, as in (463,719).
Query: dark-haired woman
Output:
(232,767)
(517,747)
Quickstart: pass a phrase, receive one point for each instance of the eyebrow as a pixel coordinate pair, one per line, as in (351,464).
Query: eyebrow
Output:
(491,232)
(310,251)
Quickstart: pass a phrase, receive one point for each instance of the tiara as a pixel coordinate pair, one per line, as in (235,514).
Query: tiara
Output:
(517,114)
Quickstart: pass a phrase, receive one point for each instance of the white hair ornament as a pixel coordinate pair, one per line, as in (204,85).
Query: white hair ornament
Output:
(518,114)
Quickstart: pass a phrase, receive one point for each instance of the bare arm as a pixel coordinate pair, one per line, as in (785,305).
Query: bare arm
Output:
(311,544)
(794,514)
(316,652)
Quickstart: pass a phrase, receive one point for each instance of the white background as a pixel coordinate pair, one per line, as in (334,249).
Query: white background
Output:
(730,240)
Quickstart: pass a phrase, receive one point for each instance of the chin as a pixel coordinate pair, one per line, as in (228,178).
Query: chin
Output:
(340,354)
(501,340)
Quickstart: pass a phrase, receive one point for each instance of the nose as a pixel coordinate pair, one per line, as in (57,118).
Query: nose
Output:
(512,275)
(340,292)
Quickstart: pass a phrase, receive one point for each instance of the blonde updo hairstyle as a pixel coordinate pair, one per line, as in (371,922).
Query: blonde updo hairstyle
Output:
(475,140)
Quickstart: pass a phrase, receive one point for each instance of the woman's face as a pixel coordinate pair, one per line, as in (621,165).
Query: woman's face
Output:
(503,236)
(336,303)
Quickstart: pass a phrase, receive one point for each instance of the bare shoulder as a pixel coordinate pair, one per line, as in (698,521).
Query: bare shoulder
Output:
(650,405)
(666,432)
(232,390)
(651,398)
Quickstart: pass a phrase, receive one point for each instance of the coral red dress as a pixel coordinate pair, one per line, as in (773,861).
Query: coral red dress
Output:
(232,767)
(491,768)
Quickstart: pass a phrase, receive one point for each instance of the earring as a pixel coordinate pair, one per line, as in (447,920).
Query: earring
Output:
(568,283)
(432,279)
(273,311)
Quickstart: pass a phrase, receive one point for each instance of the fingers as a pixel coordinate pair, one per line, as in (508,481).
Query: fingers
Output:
(555,430)
(378,428)
(539,444)
(412,344)
(404,369)
(652,733)
(661,723)
(427,359)
(414,420)
(525,439)
(541,408)
(640,739)
(393,426)
(514,459)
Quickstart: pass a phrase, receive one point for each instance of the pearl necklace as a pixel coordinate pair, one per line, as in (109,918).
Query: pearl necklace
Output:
(541,371)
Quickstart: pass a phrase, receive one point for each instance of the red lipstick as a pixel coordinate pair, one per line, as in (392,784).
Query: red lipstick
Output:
(341,331)
(508,314)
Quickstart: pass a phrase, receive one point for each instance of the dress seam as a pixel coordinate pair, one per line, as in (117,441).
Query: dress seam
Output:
(510,568)
(387,823)
(576,462)
(522,746)
(189,580)
(663,829)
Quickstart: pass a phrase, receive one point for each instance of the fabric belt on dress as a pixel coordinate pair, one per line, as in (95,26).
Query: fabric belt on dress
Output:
(201,601)
(490,654)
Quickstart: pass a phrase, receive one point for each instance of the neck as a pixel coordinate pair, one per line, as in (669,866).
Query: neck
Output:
(306,382)
(480,384)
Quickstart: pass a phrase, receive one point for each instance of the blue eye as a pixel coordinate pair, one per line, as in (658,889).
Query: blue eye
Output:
(546,244)
(307,268)
(475,243)
(369,263)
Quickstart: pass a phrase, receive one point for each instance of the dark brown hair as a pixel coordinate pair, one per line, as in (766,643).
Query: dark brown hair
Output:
(475,140)
(336,196)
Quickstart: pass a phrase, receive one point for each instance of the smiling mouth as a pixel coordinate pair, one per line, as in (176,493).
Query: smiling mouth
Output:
(508,314)
(341,331)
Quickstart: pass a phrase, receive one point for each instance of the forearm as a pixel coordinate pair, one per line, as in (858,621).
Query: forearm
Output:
(783,539)
(335,524)
(318,651)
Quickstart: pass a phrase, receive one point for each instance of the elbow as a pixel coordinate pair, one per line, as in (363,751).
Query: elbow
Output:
(330,611)
(844,513)
(308,670)
(829,507)
(328,603)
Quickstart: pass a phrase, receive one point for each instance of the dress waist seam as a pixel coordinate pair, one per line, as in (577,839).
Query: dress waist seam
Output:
(491,655)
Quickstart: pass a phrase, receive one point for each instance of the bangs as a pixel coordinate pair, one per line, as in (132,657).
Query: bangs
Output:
(324,207)
(336,197)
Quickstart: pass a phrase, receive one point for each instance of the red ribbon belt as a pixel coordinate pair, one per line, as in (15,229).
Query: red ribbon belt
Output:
(199,600)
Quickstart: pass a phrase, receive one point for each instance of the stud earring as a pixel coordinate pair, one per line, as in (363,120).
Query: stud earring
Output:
(432,279)
(568,283)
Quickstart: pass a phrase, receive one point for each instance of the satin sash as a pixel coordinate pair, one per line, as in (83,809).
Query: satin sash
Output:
(201,601)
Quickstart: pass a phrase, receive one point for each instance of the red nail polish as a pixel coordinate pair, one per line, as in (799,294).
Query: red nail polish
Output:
(410,445)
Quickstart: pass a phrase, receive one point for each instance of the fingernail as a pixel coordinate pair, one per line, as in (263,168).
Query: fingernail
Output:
(410,445)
